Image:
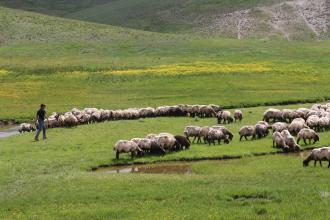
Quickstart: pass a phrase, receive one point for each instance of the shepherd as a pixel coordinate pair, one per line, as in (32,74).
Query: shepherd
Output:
(40,118)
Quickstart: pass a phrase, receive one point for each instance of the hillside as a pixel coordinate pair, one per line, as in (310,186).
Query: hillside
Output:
(291,20)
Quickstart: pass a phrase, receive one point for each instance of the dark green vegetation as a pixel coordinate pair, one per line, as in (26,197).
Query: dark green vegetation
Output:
(75,64)
(52,179)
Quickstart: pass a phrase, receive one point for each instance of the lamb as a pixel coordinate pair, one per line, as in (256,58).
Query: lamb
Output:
(296,125)
(319,154)
(214,135)
(25,127)
(279,126)
(238,115)
(247,131)
(224,116)
(278,140)
(224,130)
(182,142)
(192,131)
(124,146)
(203,133)
(290,141)
(308,134)
(274,114)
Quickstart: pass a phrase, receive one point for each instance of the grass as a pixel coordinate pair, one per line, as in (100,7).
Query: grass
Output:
(111,67)
(52,179)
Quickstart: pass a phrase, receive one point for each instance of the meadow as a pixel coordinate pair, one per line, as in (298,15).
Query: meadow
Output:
(53,179)
(205,71)
(66,63)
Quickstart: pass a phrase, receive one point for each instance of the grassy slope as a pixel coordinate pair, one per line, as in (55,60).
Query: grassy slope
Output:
(164,16)
(72,64)
(50,179)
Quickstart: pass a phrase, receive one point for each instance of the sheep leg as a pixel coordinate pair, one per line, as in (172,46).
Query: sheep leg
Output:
(117,155)
(194,139)
(240,139)
(245,137)
(305,141)
(273,143)
(188,140)
(320,163)
(329,164)
(315,163)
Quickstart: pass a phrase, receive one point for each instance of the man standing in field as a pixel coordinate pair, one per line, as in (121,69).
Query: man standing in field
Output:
(40,117)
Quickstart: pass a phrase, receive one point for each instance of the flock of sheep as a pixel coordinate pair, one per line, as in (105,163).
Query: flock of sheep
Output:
(286,124)
(92,115)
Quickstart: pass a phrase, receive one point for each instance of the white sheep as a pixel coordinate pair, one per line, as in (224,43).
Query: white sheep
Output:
(124,146)
(191,131)
(290,141)
(319,154)
(308,134)
(278,140)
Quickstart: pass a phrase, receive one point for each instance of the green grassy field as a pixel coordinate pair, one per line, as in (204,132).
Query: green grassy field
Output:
(66,63)
(52,179)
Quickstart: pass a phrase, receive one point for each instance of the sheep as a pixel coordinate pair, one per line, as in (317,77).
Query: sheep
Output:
(144,144)
(182,142)
(206,111)
(167,141)
(136,140)
(25,127)
(214,135)
(203,133)
(274,114)
(279,126)
(247,131)
(313,121)
(70,120)
(191,131)
(124,146)
(288,115)
(290,141)
(224,116)
(238,115)
(319,154)
(224,130)
(324,123)
(279,140)
(147,112)
(151,136)
(261,129)
(296,125)
(308,134)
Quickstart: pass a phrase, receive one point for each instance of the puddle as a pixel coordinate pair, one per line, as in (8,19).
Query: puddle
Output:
(7,131)
(176,168)
(168,168)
